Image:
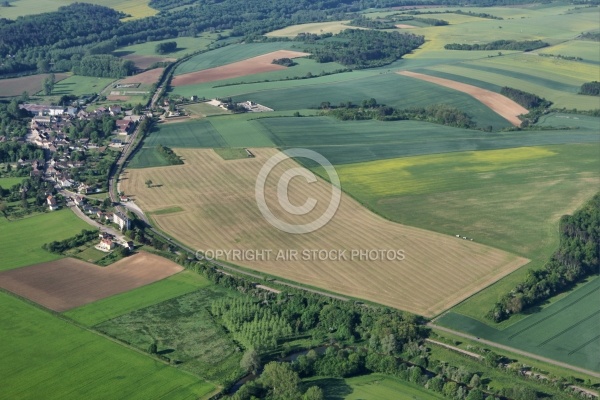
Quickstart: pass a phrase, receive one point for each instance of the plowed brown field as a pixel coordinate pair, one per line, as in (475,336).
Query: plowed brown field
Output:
(501,105)
(254,65)
(68,283)
(220,213)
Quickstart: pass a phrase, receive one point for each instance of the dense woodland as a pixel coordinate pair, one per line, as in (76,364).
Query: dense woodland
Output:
(577,257)
(57,41)
(527,100)
(590,88)
(13,120)
(166,47)
(359,48)
(525,45)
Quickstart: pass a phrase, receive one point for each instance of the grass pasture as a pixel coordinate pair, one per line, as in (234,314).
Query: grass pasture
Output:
(45,357)
(38,229)
(135,8)
(227,197)
(205,349)
(565,330)
(80,85)
(185,45)
(373,386)
(204,110)
(230,54)
(7,183)
(575,48)
(145,296)
(31,84)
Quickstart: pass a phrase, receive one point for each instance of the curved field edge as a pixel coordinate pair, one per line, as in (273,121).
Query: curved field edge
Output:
(217,196)
(44,356)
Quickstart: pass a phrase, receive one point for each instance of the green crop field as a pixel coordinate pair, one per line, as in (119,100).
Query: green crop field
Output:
(575,48)
(18,8)
(390,89)
(205,349)
(509,199)
(566,330)
(37,230)
(232,53)
(90,255)
(204,109)
(114,306)
(343,142)
(373,386)
(147,157)
(80,85)
(232,153)
(45,357)
(185,45)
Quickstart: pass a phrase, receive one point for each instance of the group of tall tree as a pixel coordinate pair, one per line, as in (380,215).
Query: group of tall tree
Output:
(525,45)
(577,257)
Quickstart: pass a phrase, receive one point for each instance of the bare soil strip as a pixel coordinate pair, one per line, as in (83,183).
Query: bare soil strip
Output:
(405,26)
(501,105)
(254,65)
(69,283)
(145,78)
(220,213)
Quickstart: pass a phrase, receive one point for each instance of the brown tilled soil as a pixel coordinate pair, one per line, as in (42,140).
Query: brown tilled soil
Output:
(501,105)
(254,65)
(31,84)
(69,283)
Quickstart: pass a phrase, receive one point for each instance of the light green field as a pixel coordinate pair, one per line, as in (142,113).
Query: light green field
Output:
(147,157)
(135,8)
(7,183)
(45,357)
(232,53)
(164,211)
(38,229)
(373,386)
(111,307)
(80,85)
(90,255)
(566,330)
(185,45)
(204,110)
(575,48)
(316,28)
(234,153)
(509,199)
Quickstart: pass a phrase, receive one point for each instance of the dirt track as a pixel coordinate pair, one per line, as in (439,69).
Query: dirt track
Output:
(254,65)
(69,283)
(501,105)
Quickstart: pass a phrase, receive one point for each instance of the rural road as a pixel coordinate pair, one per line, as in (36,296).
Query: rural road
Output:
(90,221)
(516,351)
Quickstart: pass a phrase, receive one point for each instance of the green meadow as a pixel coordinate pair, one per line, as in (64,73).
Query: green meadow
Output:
(566,330)
(18,8)
(373,386)
(7,183)
(21,240)
(111,307)
(46,357)
(80,85)
(185,45)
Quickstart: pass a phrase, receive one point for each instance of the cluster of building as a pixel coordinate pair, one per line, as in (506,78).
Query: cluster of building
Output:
(108,243)
(117,218)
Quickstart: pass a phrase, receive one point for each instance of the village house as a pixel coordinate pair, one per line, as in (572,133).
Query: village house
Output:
(52,205)
(121,220)
(106,245)
(124,127)
(114,110)
(78,200)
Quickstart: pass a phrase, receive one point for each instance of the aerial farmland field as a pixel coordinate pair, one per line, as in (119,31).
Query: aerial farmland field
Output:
(39,348)
(224,203)
(134,8)
(30,84)
(564,330)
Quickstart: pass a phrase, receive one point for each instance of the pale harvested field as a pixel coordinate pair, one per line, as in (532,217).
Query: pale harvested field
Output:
(254,65)
(144,62)
(220,212)
(314,27)
(501,105)
(68,283)
(145,78)
(405,26)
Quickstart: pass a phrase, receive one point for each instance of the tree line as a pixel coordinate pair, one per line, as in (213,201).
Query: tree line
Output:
(577,257)
(369,109)
(80,239)
(524,45)
(590,88)
(169,155)
(526,99)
